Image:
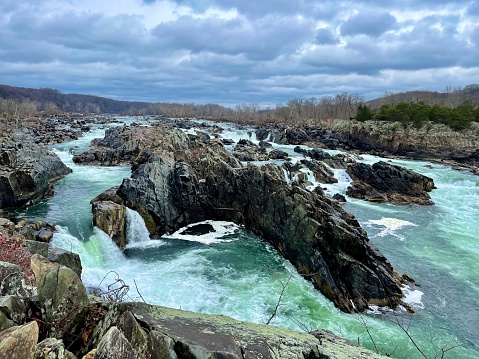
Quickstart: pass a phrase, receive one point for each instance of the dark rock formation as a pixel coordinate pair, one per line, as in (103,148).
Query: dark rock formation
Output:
(248,151)
(26,172)
(278,155)
(383,182)
(322,173)
(183,181)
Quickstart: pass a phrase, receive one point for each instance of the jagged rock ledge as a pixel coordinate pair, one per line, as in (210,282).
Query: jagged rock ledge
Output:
(182,180)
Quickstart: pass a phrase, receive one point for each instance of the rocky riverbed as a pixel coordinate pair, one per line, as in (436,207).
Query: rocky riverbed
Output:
(180,179)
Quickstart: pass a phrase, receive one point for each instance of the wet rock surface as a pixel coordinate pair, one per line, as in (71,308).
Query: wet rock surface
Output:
(384,182)
(27,171)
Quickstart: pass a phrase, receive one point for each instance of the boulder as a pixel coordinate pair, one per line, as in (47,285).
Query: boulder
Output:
(19,342)
(114,345)
(26,172)
(110,217)
(36,247)
(322,174)
(278,155)
(248,151)
(383,182)
(62,294)
(65,258)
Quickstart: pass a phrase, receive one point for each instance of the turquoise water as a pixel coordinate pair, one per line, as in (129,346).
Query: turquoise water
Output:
(236,274)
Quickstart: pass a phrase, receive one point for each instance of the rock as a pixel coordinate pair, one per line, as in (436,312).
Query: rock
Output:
(110,217)
(339,197)
(114,345)
(62,294)
(227,141)
(383,182)
(90,354)
(5,322)
(26,172)
(19,342)
(261,134)
(36,247)
(146,331)
(296,136)
(265,144)
(44,235)
(278,155)
(247,151)
(321,173)
(52,348)
(14,308)
(7,224)
(11,280)
(65,258)
(327,245)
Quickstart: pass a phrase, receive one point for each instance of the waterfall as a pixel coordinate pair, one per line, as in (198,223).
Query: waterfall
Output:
(136,231)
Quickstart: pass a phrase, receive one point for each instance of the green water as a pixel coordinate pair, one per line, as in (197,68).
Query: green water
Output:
(241,276)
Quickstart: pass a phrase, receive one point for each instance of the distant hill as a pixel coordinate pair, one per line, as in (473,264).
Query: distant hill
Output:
(448,98)
(44,97)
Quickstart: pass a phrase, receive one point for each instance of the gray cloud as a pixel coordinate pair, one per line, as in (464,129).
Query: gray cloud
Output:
(235,51)
(368,23)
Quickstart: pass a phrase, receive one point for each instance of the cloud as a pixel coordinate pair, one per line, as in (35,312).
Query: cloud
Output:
(367,23)
(236,51)
(262,39)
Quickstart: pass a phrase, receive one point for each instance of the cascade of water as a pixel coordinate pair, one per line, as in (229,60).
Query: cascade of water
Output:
(136,231)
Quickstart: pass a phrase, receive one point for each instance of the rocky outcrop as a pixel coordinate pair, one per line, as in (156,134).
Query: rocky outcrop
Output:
(384,182)
(27,172)
(63,294)
(19,342)
(183,181)
(138,330)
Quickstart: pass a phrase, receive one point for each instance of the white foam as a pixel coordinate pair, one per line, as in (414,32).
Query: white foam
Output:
(391,226)
(413,297)
(136,231)
(217,235)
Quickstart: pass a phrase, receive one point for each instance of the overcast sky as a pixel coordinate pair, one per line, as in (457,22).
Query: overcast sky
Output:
(238,51)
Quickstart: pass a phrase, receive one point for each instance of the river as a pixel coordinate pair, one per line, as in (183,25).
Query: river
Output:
(234,273)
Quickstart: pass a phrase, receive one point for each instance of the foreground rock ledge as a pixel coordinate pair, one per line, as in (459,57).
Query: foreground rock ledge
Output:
(182,181)
(102,329)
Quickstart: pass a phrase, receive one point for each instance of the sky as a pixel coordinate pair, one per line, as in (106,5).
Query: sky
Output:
(238,51)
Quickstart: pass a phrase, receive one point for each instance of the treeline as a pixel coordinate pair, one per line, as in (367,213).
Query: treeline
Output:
(458,118)
(46,99)
(297,110)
